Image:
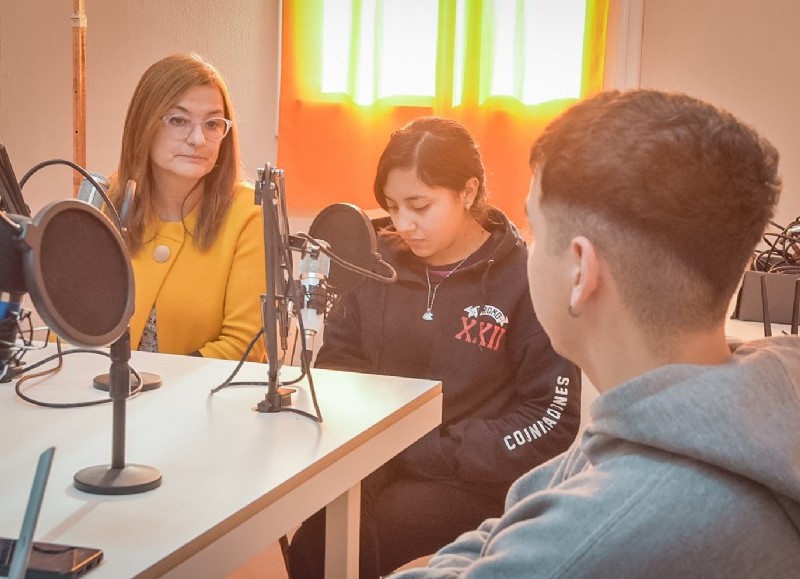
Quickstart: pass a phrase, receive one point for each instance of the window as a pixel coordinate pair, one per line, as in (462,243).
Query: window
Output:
(403,50)
(353,71)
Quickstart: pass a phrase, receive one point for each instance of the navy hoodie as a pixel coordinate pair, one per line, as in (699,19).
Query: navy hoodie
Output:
(510,402)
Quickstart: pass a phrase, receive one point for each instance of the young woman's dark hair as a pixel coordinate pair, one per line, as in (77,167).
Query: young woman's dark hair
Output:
(443,153)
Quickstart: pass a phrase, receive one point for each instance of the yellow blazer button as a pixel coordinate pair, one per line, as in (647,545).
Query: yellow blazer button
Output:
(161,253)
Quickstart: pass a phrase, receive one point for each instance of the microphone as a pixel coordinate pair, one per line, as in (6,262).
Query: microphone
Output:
(89,193)
(12,290)
(342,246)
(315,267)
(10,310)
(10,304)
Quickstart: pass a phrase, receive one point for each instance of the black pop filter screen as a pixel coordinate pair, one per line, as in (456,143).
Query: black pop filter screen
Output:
(352,238)
(78,273)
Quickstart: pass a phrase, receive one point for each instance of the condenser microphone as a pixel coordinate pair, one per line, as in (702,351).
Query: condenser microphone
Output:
(10,310)
(315,267)
(89,193)
(12,290)
(10,304)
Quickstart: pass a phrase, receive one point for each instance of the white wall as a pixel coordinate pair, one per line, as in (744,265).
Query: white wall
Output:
(743,55)
(240,37)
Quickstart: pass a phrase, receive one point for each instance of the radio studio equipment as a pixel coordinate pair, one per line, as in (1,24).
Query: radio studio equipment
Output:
(339,250)
(770,288)
(74,264)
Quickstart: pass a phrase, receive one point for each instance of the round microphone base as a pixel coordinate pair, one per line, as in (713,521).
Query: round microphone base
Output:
(149,381)
(129,480)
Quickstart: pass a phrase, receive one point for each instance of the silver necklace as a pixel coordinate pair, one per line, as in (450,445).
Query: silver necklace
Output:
(428,315)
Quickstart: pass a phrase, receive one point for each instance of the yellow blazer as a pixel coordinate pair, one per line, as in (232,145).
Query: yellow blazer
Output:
(206,301)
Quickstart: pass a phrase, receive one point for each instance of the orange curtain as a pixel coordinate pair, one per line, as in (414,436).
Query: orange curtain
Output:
(329,150)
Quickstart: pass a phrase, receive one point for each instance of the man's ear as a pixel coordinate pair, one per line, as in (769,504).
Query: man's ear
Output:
(585,273)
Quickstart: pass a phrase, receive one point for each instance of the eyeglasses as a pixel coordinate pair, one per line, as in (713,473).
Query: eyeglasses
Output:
(180,127)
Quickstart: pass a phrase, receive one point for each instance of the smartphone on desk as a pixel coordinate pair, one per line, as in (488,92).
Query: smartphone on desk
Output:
(51,561)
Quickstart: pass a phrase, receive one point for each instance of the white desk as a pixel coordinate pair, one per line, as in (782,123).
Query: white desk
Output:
(234,480)
(747,331)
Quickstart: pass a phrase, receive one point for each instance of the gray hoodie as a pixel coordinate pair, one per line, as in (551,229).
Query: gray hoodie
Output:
(687,471)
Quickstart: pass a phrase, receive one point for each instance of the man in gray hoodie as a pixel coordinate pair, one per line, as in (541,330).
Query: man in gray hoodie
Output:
(646,207)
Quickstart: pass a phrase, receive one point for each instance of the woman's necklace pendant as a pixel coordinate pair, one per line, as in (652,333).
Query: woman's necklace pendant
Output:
(428,315)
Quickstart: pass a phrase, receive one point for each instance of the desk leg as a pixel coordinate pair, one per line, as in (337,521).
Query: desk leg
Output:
(342,522)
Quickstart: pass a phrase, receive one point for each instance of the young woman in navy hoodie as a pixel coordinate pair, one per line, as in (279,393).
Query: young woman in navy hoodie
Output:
(460,312)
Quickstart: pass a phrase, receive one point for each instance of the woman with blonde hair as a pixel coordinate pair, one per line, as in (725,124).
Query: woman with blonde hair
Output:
(193,229)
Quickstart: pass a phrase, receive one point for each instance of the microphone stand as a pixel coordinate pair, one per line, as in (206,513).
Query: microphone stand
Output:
(118,478)
(269,195)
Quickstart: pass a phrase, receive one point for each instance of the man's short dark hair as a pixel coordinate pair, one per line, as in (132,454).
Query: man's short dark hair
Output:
(674,192)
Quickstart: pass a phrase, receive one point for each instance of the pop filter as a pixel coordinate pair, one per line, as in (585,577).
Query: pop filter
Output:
(78,273)
(351,237)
